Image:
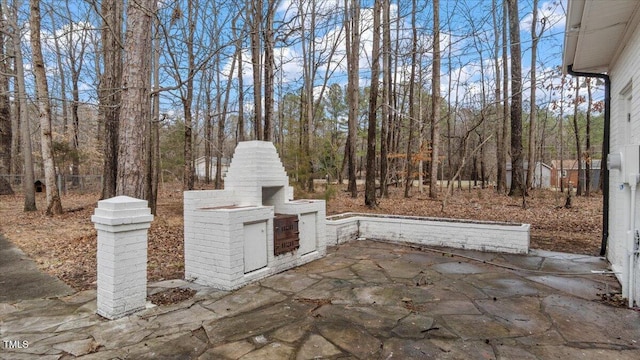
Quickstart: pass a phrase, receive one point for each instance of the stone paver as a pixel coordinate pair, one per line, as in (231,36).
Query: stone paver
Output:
(364,300)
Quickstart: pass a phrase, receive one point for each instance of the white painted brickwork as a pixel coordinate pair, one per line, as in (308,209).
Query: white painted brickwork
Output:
(483,236)
(218,223)
(122,224)
(213,250)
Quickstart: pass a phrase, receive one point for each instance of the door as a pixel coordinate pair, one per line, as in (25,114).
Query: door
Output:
(307,228)
(255,246)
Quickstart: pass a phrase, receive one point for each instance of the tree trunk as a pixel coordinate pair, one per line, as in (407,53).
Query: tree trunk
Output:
(306,100)
(153,158)
(54,205)
(533,113)
(61,72)
(76,68)
(6,133)
(187,102)
(135,100)
(506,136)
(576,131)
(240,129)
(561,121)
(256,62)
(517,188)
(208,123)
(109,91)
(269,69)
(435,103)
(587,150)
(352,24)
(412,112)
(500,136)
(370,184)
(221,125)
(386,96)
(25,127)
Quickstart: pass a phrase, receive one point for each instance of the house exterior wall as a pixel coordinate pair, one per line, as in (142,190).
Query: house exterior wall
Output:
(201,171)
(625,98)
(541,175)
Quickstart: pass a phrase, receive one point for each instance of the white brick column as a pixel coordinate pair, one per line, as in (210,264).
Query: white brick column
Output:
(122,224)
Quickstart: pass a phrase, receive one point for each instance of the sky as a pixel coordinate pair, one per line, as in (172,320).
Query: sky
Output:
(459,20)
(466,58)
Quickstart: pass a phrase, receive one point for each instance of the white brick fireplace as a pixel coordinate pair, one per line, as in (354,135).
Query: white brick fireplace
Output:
(229,234)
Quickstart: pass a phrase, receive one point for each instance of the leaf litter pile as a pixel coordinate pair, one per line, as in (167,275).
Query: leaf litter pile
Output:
(65,245)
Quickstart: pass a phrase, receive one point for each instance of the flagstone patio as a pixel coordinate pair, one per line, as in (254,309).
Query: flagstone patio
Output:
(364,300)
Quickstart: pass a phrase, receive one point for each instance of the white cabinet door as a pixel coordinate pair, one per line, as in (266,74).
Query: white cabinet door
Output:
(307,228)
(255,246)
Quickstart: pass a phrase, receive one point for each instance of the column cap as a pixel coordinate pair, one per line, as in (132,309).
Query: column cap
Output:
(121,210)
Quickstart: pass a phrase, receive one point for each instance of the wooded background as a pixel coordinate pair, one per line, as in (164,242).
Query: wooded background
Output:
(136,91)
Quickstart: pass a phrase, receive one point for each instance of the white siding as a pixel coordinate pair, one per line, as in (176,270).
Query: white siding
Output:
(625,97)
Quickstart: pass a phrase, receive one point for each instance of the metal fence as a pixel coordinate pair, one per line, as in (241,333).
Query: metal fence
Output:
(65,183)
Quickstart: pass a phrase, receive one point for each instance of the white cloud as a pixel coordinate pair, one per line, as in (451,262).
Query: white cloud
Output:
(552,13)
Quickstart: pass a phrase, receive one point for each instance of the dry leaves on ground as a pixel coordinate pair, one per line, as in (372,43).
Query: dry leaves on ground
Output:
(65,245)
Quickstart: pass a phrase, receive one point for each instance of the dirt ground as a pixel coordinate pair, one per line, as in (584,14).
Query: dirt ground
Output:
(65,245)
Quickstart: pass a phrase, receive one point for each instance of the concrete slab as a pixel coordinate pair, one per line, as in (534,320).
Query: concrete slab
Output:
(20,278)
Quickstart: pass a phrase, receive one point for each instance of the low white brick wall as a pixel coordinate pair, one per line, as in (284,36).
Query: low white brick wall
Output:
(473,235)
(342,228)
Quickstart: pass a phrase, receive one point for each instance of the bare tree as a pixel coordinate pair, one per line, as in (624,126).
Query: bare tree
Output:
(221,125)
(109,91)
(153,145)
(54,205)
(506,118)
(207,87)
(561,131)
(269,70)
(435,102)
(352,29)
(370,184)
(240,129)
(256,15)
(500,134)
(386,96)
(535,39)
(307,28)
(517,188)
(76,61)
(6,133)
(587,146)
(186,96)
(61,73)
(135,100)
(412,110)
(71,43)
(576,132)
(21,98)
